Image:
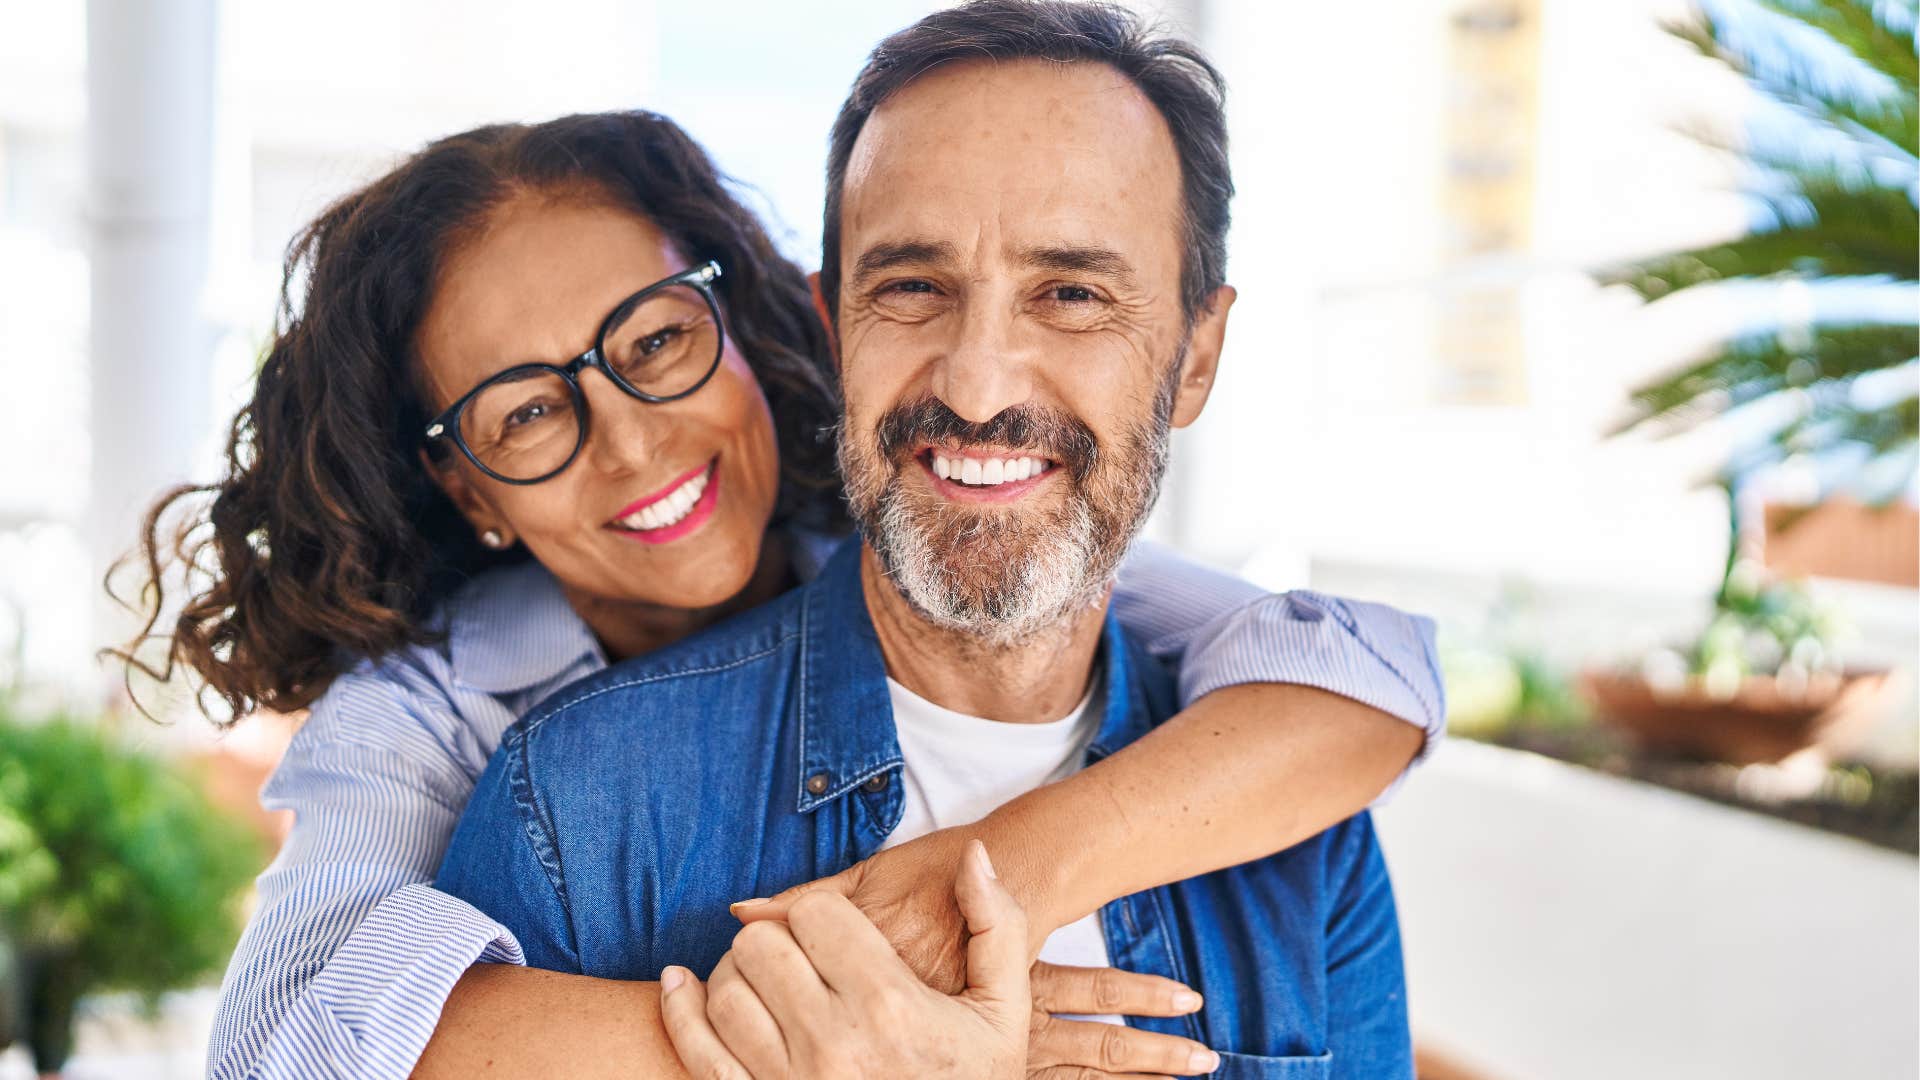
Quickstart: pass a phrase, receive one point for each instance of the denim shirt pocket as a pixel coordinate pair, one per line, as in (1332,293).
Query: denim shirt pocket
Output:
(1256,1067)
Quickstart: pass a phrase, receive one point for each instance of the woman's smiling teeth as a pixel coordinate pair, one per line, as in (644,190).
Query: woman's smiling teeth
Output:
(671,509)
(987,472)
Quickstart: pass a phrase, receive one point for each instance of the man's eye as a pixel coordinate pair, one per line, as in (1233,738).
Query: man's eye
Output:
(910,287)
(1072,294)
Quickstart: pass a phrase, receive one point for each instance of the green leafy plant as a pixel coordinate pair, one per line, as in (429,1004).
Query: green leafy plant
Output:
(1836,195)
(1768,627)
(116,872)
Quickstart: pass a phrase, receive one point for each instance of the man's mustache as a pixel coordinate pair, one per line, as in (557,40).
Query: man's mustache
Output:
(1041,431)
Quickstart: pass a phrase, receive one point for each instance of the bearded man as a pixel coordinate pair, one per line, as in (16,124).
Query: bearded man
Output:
(1024,250)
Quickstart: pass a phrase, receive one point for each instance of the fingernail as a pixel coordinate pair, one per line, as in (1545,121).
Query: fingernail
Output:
(1186,1000)
(980,852)
(758,901)
(1203,1061)
(672,979)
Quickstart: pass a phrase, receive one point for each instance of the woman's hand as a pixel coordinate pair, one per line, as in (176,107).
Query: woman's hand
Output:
(824,995)
(907,892)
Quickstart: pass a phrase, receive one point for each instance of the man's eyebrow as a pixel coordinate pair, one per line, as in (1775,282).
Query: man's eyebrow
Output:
(884,256)
(1080,260)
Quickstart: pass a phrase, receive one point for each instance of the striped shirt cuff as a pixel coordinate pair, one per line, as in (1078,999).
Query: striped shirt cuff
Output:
(1371,653)
(371,1010)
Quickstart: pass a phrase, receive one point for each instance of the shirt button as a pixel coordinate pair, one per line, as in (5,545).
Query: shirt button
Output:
(875,783)
(817,784)
(1303,611)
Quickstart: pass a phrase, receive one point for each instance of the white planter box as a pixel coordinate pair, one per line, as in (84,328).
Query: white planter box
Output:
(1561,923)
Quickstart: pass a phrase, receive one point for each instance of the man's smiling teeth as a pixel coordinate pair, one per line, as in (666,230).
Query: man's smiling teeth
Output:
(668,511)
(986,472)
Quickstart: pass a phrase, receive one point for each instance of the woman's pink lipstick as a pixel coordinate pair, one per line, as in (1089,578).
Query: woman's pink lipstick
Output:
(697,514)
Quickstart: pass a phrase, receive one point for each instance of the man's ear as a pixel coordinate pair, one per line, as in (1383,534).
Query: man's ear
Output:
(826,316)
(1203,357)
(460,491)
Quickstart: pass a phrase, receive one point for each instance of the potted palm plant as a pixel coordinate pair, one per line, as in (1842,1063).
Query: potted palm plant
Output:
(116,873)
(1834,186)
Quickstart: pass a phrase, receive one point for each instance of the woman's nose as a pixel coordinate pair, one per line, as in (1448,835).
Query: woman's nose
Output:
(623,432)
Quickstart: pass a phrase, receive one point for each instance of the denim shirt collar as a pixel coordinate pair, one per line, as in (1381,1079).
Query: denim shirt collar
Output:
(847,733)
(846,716)
(1125,713)
(512,629)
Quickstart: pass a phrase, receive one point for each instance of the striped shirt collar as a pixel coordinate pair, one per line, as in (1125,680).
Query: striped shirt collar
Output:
(511,629)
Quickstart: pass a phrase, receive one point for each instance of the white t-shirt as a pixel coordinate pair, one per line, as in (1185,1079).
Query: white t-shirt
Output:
(959,768)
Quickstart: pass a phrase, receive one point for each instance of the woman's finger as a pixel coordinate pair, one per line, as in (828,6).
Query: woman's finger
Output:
(1110,991)
(1113,1048)
(743,1023)
(683,1007)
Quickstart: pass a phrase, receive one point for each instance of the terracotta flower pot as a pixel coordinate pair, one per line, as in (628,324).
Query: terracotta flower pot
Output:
(1765,721)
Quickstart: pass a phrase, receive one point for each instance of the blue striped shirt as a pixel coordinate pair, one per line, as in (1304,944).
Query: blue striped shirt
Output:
(351,954)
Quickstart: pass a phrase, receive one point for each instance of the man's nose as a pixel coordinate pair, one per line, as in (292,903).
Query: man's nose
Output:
(989,367)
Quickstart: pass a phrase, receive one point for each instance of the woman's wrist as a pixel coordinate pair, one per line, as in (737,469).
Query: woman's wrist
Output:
(1052,858)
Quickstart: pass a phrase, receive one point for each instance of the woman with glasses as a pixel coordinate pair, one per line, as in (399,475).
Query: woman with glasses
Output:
(547,397)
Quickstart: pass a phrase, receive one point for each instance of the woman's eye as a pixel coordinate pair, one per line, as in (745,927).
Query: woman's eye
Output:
(657,340)
(526,414)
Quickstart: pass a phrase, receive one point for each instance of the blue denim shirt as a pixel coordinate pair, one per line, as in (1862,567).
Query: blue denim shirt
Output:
(620,817)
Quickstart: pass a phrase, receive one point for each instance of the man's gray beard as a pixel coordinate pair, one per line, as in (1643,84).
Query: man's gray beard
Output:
(1004,591)
(1004,596)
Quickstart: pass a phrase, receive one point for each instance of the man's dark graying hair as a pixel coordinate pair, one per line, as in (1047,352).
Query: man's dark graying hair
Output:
(1173,74)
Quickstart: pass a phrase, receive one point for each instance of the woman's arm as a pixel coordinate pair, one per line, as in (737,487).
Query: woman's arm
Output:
(1301,709)
(526,1023)
(352,966)
(1220,631)
(1170,806)
(502,1020)
(1242,773)
(349,953)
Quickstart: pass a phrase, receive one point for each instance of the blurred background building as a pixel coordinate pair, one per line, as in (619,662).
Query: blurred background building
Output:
(1417,404)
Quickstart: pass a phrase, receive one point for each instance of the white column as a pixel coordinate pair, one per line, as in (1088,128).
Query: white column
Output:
(150,79)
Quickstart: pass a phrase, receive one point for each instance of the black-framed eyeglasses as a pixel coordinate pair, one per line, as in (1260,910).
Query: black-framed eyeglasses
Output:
(527,423)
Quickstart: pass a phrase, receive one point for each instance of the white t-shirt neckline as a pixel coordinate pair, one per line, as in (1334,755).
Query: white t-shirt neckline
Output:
(958,769)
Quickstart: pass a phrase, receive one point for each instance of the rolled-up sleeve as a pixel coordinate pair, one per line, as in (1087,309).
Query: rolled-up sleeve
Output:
(350,954)
(1222,631)
(371,1010)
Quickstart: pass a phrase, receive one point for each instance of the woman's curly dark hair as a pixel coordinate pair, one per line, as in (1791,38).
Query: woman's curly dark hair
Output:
(327,540)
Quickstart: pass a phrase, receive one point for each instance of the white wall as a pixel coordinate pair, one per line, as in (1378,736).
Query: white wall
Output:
(1320,440)
(1563,925)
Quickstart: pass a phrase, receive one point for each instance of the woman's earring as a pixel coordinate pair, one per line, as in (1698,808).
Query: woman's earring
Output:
(493,539)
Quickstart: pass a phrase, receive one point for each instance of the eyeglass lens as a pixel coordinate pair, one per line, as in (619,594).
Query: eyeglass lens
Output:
(527,425)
